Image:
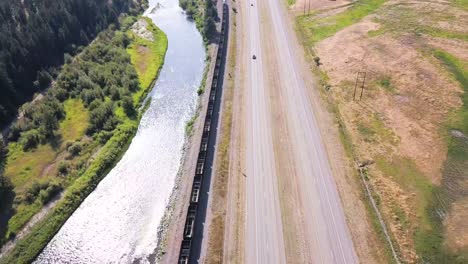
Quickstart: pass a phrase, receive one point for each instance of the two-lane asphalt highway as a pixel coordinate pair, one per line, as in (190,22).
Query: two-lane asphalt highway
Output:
(264,237)
(325,229)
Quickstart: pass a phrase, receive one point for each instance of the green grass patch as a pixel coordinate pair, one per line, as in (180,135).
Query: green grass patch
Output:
(366,132)
(402,19)
(24,213)
(402,217)
(429,202)
(376,129)
(73,127)
(459,70)
(189,125)
(442,33)
(378,126)
(147,57)
(25,167)
(453,188)
(322,28)
(405,172)
(291,2)
(463,4)
(386,83)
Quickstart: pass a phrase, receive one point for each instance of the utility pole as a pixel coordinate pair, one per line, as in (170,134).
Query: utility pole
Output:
(360,82)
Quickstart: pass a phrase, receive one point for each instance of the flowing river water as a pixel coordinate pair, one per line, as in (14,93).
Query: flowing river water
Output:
(118,222)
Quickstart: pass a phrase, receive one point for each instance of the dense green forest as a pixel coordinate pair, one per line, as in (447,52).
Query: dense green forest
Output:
(36,36)
(204,13)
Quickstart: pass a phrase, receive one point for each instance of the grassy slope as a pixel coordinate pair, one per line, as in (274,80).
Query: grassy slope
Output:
(74,125)
(429,237)
(459,70)
(311,31)
(148,63)
(322,28)
(404,19)
(28,248)
(25,168)
(430,240)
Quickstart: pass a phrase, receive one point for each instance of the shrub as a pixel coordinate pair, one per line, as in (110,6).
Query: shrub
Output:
(67,58)
(30,139)
(104,136)
(45,195)
(317,61)
(129,108)
(63,167)
(75,148)
(44,79)
(5,186)
(89,95)
(18,127)
(200,91)
(102,118)
(114,93)
(209,27)
(3,155)
(33,191)
(59,93)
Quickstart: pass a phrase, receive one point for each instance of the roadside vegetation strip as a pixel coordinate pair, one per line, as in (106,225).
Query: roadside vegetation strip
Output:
(317,29)
(303,27)
(372,198)
(94,117)
(147,56)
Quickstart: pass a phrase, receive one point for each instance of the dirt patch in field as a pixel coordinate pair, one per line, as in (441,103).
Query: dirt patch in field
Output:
(143,52)
(403,89)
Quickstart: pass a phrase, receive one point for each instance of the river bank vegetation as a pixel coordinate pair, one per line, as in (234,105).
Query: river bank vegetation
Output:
(205,15)
(69,138)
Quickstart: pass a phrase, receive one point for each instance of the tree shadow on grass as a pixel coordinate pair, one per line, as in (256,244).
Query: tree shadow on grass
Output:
(6,212)
(55,142)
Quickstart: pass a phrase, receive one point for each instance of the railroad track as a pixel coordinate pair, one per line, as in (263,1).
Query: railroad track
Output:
(196,213)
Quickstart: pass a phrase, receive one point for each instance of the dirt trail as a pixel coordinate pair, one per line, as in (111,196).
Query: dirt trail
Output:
(235,209)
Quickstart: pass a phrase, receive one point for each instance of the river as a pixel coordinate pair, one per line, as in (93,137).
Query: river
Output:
(118,222)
